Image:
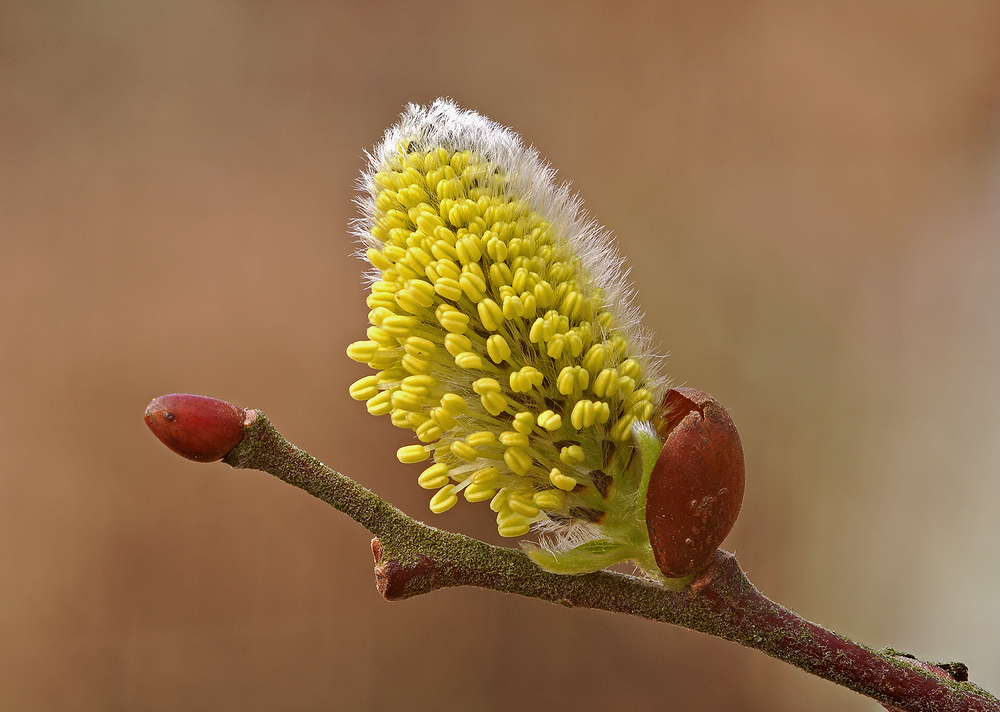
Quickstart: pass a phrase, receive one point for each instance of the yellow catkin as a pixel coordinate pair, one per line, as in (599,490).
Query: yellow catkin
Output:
(489,338)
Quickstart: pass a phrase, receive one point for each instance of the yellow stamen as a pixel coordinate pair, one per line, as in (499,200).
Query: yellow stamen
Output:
(523,422)
(362,351)
(522,380)
(453,320)
(401,400)
(485,476)
(380,404)
(457,344)
(522,504)
(549,500)
(428,431)
(399,326)
(572,454)
(517,460)
(364,388)
(453,403)
(499,500)
(497,348)
(444,499)
(514,439)
(469,360)
(448,288)
(434,477)
(563,482)
(418,385)
(380,337)
(515,525)
(478,493)
(490,314)
(550,421)
(409,454)
(482,438)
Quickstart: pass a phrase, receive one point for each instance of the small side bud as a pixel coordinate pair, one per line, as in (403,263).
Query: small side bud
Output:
(696,486)
(199,428)
(952,672)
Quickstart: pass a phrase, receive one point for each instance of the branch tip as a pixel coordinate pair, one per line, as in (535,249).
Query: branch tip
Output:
(197,427)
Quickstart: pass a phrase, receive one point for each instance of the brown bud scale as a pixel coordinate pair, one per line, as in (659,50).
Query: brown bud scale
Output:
(696,487)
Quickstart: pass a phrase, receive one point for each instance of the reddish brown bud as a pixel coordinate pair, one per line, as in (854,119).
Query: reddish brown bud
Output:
(196,427)
(696,487)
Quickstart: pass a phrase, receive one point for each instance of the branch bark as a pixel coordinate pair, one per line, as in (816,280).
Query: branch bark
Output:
(413,558)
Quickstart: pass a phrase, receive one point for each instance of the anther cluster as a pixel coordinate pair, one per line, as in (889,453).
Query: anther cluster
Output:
(491,336)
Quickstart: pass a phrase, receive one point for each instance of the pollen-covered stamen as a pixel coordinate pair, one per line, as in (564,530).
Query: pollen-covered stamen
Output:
(526,378)
(413,453)
(561,481)
(550,420)
(434,477)
(445,499)
(523,422)
(364,388)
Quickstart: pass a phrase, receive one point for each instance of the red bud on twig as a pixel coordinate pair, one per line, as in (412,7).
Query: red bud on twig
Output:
(196,427)
(696,487)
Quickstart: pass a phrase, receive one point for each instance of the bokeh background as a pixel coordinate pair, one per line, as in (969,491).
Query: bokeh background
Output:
(809,198)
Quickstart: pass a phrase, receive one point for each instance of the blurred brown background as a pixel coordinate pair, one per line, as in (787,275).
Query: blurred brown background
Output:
(809,197)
